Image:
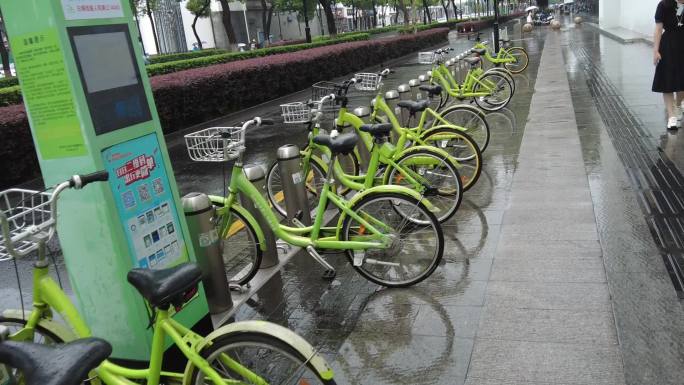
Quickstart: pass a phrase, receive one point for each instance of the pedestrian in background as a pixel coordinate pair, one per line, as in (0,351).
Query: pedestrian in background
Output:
(668,57)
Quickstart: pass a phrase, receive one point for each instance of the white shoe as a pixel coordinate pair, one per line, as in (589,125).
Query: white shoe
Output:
(672,123)
(678,115)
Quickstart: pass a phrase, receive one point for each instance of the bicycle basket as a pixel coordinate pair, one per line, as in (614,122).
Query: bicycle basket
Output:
(322,89)
(367,81)
(19,211)
(426,57)
(215,144)
(296,113)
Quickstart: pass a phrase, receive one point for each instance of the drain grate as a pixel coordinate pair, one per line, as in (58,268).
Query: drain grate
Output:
(658,181)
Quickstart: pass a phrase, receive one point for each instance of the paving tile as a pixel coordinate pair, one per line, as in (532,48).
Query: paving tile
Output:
(548,363)
(549,295)
(459,321)
(548,270)
(547,325)
(372,359)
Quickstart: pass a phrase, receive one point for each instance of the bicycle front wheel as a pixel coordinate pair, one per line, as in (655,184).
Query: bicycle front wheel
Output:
(239,248)
(315,177)
(462,149)
(521,60)
(417,241)
(499,89)
(439,176)
(251,358)
(471,119)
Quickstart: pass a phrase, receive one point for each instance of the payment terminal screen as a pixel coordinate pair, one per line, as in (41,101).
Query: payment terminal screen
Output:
(110,76)
(105,61)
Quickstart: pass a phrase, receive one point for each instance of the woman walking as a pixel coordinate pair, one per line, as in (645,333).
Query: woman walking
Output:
(668,57)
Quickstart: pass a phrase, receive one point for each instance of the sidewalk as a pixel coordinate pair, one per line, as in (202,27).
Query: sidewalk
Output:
(547,317)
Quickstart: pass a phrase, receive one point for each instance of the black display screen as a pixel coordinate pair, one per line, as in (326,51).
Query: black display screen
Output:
(110,76)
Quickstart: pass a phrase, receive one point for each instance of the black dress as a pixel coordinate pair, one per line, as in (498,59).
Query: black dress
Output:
(669,73)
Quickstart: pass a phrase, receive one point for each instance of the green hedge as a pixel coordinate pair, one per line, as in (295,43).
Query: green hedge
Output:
(157,59)
(9,82)
(10,95)
(165,68)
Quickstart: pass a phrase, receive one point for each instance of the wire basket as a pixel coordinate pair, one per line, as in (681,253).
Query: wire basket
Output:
(367,81)
(215,144)
(321,89)
(20,211)
(426,57)
(296,113)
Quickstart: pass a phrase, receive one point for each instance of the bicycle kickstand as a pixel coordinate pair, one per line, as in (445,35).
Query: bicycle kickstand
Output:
(330,272)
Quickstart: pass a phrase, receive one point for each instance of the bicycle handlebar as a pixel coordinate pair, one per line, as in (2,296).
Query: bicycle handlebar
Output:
(257,121)
(79,181)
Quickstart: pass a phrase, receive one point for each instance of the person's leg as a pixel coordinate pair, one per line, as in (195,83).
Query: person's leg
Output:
(679,98)
(669,100)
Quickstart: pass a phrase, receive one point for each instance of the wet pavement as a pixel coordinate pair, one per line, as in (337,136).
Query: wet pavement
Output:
(552,272)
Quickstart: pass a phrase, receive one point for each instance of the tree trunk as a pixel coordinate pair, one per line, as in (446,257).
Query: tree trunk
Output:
(4,55)
(154,30)
(228,23)
(194,23)
(375,16)
(427,13)
(266,16)
(405,12)
(446,10)
(396,12)
(329,17)
(453,7)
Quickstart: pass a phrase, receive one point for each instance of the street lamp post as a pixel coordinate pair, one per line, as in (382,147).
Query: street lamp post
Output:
(496,26)
(307,30)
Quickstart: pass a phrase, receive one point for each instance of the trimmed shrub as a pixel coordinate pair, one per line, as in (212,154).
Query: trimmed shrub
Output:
(9,82)
(165,58)
(188,97)
(18,154)
(200,94)
(166,68)
(10,96)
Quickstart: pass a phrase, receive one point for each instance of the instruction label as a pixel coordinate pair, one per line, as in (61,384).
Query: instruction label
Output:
(91,9)
(47,95)
(141,189)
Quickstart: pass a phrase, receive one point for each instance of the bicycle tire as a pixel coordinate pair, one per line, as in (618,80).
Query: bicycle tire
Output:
(450,190)
(480,132)
(487,106)
(506,73)
(524,54)
(274,192)
(21,323)
(471,162)
(393,251)
(256,338)
(231,245)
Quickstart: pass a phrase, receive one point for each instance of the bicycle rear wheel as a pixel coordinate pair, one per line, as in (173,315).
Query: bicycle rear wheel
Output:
(500,92)
(440,175)
(462,148)
(471,119)
(315,177)
(240,249)
(417,240)
(521,60)
(273,361)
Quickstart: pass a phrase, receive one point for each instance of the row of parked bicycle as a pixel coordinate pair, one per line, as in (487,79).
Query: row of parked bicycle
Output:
(407,181)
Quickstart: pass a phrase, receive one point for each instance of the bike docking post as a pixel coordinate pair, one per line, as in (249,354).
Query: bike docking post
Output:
(404,94)
(294,186)
(423,79)
(257,176)
(199,214)
(392,98)
(414,84)
(363,113)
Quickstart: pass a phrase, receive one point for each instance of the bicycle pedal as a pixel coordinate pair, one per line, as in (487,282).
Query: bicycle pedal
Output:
(358,260)
(329,274)
(238,288)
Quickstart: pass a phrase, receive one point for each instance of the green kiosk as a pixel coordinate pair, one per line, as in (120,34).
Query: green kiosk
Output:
(90,106)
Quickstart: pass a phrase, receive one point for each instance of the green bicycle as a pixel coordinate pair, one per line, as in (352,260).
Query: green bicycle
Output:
(421,168)
(514,59)
(389,233)
(491,91)
(249,352)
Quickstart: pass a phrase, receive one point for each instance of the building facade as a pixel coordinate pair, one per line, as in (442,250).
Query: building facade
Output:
(634,15)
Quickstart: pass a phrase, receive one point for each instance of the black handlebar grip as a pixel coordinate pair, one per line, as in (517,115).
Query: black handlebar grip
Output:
(80,181)
(267,122)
